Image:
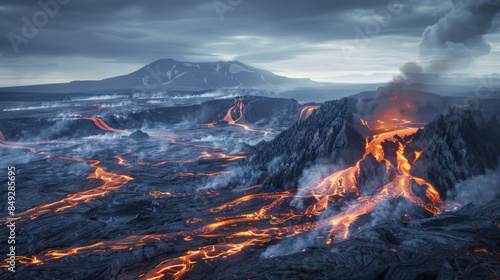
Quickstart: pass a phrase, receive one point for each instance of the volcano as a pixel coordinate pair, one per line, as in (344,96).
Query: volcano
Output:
(172,75)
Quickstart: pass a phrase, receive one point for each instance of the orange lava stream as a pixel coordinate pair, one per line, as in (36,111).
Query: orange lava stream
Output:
(102,125)
(238,109)
(100,247)
(306,112)
(338,185)
(19,145)
(388,125)
(204,155)
(229,119)
(203,174)
(3,144)
(112,182)
(334,188)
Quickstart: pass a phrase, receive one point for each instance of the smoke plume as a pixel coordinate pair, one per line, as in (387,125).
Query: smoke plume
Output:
(457,38)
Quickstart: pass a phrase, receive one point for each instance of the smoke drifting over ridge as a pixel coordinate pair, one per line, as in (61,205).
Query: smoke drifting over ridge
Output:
(457,38)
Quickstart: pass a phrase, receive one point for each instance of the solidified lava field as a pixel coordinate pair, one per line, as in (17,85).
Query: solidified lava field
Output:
(204,187)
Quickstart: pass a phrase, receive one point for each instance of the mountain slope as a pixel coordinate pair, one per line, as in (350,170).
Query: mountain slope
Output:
(171,75)
(328,135)
(456,146)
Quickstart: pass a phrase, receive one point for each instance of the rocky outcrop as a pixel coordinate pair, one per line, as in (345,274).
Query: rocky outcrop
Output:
(327,136)
(139,136)
(456,146)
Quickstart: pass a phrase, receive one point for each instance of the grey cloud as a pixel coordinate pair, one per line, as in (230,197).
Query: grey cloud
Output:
(457,38)
(159,22)
(139,32)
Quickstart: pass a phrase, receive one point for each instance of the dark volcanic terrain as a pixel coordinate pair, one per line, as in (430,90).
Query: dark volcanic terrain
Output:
(152,186)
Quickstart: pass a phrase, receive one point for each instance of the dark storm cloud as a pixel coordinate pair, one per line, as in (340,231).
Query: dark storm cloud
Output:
(296,37)
(149,30)
(457,39)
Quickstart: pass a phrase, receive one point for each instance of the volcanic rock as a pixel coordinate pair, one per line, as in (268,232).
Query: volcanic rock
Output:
(257,110)
(139,135)
(448,246)
(456,146)
(327,136)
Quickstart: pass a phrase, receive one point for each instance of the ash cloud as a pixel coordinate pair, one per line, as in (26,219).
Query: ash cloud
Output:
(400,98)
(457,38)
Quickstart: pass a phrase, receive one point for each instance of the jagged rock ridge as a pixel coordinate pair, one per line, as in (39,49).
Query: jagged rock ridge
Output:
(457,145)
(328,136)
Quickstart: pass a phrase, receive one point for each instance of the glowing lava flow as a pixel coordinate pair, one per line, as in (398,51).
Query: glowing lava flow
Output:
(204,155)
(112,182)
(203,174)
(342,184)
(15,145)
(307,111)
(238,110)
(269,222)
(102,125)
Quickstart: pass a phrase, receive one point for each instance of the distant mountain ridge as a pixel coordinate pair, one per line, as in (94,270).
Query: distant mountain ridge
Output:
(171,75)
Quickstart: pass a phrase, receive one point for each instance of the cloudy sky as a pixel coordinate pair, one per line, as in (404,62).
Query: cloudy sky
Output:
(334,40)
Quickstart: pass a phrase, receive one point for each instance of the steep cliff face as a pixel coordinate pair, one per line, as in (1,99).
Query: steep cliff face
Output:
(328,135)
(456,146)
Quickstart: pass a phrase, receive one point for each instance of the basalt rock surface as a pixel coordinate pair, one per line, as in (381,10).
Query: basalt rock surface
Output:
(139,136)
(456,146)
(458,245)
(328,136)
(261,110)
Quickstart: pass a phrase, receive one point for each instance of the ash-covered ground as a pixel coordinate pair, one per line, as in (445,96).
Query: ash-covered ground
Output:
(201,186)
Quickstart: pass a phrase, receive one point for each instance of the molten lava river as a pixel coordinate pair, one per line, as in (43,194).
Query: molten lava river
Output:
(107,207)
